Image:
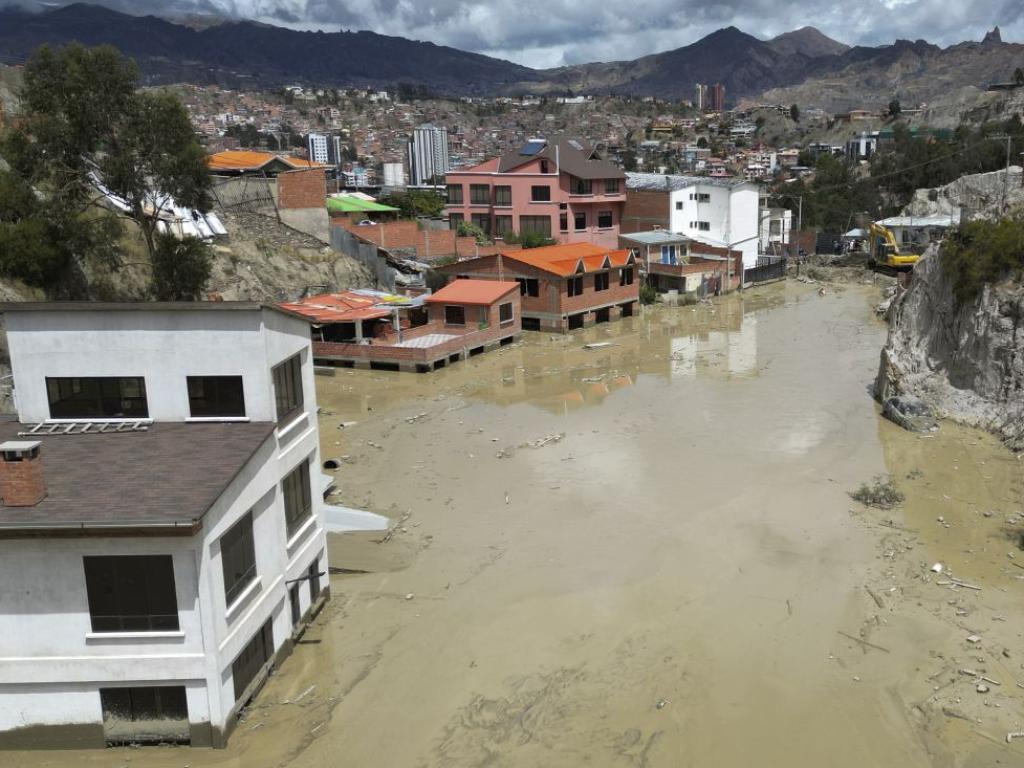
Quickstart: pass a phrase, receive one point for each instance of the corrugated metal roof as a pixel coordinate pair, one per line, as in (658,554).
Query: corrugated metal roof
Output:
(352,204)
(655,237)
(659,182)
(918,221)
(484,292)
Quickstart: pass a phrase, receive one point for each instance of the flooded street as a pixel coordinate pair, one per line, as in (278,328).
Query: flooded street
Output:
(644,554)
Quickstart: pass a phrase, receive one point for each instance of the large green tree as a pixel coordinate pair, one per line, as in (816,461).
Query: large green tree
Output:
(86,133)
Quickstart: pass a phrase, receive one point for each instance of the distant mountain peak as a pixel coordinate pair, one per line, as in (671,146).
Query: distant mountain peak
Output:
(809,41)
(992,37)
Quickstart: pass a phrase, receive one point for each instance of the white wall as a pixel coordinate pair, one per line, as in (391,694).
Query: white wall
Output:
(732,213)
(163,346)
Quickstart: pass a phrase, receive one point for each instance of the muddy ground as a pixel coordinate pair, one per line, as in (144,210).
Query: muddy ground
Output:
(645,555)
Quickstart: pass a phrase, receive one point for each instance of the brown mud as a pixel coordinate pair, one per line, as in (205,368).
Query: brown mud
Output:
(645,554)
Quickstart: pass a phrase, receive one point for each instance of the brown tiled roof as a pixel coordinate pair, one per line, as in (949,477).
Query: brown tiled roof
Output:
(583,163)
(169,475)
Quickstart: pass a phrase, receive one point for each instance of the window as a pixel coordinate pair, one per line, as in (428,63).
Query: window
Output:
(131,593)
(503,195)
(543,166)
(701,197)
(679,205)
(563,222)
(454,315)
(528,286)
(581,186)
(109,397)
(505,315)
(601,281)
(454,220)
(604,219)
(215,396)
(251,660)
(537,225)
(157,714)
(611,186)
(314,580)
(579,220)
(454,194)
(540,194)
(502,225)
(298,504)
(668,254)
(704,226)
(482,220)
(483,317)
(238,558)
(576,286)
(288,388)
(479,194)
(626,276)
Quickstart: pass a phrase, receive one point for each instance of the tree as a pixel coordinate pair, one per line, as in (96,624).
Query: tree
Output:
(794,113)
(894,108)
(180,268)
(702,142)
(417,202)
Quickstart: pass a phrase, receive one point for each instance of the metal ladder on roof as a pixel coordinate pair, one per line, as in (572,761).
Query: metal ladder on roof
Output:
(47,428)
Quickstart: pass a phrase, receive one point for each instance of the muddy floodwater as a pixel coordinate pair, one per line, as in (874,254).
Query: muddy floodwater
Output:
(645,554)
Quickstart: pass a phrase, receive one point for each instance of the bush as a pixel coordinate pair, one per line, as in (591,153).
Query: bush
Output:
(535,240)
(880,493)
(469,229)
(647,294)
(979,253)
(180,268)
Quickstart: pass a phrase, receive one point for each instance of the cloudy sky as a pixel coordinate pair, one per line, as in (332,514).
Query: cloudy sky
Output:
(547,33)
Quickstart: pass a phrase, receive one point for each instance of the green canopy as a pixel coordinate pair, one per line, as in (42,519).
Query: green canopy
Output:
(348,204)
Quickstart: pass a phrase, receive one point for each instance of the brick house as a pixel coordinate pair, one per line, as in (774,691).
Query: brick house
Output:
(369,329)
(567,286)
(670,262)
(561,189)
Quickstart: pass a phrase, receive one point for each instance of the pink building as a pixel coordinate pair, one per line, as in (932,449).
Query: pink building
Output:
(560,189)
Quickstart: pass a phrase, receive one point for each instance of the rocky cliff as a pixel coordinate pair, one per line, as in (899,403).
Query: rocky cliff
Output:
(967,361)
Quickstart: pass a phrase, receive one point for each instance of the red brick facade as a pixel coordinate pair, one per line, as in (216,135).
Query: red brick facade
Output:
(553,307)
(302,189)
(21,482)
(429,244)
(645,210)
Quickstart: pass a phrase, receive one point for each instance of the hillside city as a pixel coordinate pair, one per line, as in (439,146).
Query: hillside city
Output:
(629,413)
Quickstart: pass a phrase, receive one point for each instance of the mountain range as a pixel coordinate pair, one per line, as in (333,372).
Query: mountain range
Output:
(803,66)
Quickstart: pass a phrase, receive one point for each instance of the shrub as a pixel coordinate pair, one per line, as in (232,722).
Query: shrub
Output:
(880,493)
(469,229)
(647,294)
(180,268)
(979,253)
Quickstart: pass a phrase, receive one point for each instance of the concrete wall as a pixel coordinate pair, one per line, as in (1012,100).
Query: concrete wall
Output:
(164,347)
(732,213)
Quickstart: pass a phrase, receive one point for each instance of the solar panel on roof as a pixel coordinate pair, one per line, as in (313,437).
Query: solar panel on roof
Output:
(575,144)
(532,147)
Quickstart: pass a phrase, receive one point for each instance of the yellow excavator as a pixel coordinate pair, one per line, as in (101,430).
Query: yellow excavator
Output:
(886,256)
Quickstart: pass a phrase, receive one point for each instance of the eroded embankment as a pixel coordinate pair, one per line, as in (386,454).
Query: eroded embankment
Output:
(966,360)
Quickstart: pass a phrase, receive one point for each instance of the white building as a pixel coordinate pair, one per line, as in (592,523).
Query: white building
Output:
(394,175)
(428,155)
(324,148)
(776,225)
(718,211)
(162,531)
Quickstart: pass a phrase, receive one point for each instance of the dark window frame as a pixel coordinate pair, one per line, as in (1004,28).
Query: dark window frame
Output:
(626,276)
(252,658)
(607,216)
(238,558)
(479,194)
(575,286)
(455,219)
(215,389)
(296,491)
(288,386)
(482,220)
(529,286)
(67,395)
(601,281)
(540,193)
(535,225)
(455,192)
(458,310)
(576,218)
(580,186)
(117,586)
(502,319)
(502,225)
(503,195)
(611,186)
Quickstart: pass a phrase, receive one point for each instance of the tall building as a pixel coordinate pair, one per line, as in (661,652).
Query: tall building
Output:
(700,97)
(428,154)
(716,98)
(394,175)
(324,148)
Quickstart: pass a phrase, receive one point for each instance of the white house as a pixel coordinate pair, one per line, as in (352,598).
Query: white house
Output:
(162,530)
(776,225)
(721,212)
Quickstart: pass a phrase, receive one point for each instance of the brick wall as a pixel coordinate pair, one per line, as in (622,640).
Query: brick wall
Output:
(426,244)
(645,210)
(302,189)
(21,482)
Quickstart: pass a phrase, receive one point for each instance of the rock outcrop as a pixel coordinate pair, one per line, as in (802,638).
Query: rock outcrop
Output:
(966,361)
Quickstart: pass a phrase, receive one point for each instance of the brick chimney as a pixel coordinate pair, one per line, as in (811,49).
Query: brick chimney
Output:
(21,473)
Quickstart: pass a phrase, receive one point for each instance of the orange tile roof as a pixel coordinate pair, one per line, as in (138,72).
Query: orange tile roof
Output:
(484,292)
(244,160)
(567,259)
(345,307)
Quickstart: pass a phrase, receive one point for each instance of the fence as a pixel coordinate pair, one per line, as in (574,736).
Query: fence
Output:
(768,269)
